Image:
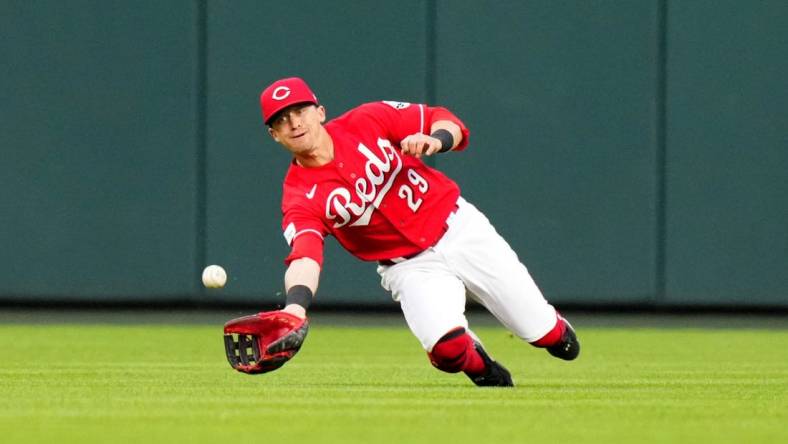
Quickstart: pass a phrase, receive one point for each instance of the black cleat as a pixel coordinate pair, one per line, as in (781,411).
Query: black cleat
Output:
(496,375)
(569,347)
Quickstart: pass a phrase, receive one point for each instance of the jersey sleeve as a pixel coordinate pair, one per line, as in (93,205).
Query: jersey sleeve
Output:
(401,119)
(304,232)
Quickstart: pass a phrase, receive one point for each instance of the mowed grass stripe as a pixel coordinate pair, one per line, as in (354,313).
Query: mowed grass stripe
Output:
(122,383)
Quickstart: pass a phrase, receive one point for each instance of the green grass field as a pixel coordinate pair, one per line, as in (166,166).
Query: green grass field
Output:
(153,383)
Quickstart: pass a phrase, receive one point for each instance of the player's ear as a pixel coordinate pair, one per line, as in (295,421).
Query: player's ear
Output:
(273,134)
(321,112)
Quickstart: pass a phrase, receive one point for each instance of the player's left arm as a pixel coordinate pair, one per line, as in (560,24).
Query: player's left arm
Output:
(446,133)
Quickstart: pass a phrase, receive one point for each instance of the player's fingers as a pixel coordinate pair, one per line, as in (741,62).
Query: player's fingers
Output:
(433,147)
(427,147)
(411,145)
(405,145)
(418,145)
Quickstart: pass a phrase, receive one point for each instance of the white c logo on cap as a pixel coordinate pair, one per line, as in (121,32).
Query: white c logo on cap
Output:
(280,93)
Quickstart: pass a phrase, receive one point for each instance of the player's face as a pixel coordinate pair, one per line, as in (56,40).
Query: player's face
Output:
(298,127)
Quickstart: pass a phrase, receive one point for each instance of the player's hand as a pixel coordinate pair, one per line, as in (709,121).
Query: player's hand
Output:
(295,310)
(418,145)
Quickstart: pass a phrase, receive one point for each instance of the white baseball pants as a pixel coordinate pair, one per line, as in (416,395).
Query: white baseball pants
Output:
(471,255)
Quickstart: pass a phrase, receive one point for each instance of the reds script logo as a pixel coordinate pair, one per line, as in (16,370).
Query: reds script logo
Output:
(370,190)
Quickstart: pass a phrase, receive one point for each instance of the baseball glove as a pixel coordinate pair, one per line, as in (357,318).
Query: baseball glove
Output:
(263,342)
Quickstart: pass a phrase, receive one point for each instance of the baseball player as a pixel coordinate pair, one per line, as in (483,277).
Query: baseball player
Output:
(360,178)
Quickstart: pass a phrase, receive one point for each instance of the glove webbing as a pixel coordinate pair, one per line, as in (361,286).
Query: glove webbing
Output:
(238,351)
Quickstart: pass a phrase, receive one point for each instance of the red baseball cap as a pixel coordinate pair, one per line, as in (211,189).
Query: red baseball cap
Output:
(283,93)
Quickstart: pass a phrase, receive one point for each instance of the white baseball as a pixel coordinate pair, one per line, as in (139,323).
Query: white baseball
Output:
(214,276)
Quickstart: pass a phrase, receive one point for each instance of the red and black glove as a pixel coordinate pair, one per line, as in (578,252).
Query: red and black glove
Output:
(263,342)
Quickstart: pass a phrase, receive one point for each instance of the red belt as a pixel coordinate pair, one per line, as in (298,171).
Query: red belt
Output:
(396,260)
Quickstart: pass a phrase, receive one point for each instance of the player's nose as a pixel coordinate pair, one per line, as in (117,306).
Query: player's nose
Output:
(295,120)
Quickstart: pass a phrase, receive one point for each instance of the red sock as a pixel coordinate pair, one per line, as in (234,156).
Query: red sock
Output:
(553,336)
(474,364)
(456,352)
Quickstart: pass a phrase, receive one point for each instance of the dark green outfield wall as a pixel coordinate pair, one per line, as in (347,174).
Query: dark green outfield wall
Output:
(632,152)
(727,153)
(98,150)
(562,99)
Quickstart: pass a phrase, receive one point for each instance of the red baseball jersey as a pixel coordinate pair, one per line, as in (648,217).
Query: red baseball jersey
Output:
(377,202)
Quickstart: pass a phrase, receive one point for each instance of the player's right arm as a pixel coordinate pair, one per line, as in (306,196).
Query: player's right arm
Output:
(304,232)
(304,272)
(276,336)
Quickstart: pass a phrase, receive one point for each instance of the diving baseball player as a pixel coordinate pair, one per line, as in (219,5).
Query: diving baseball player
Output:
(360,178)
